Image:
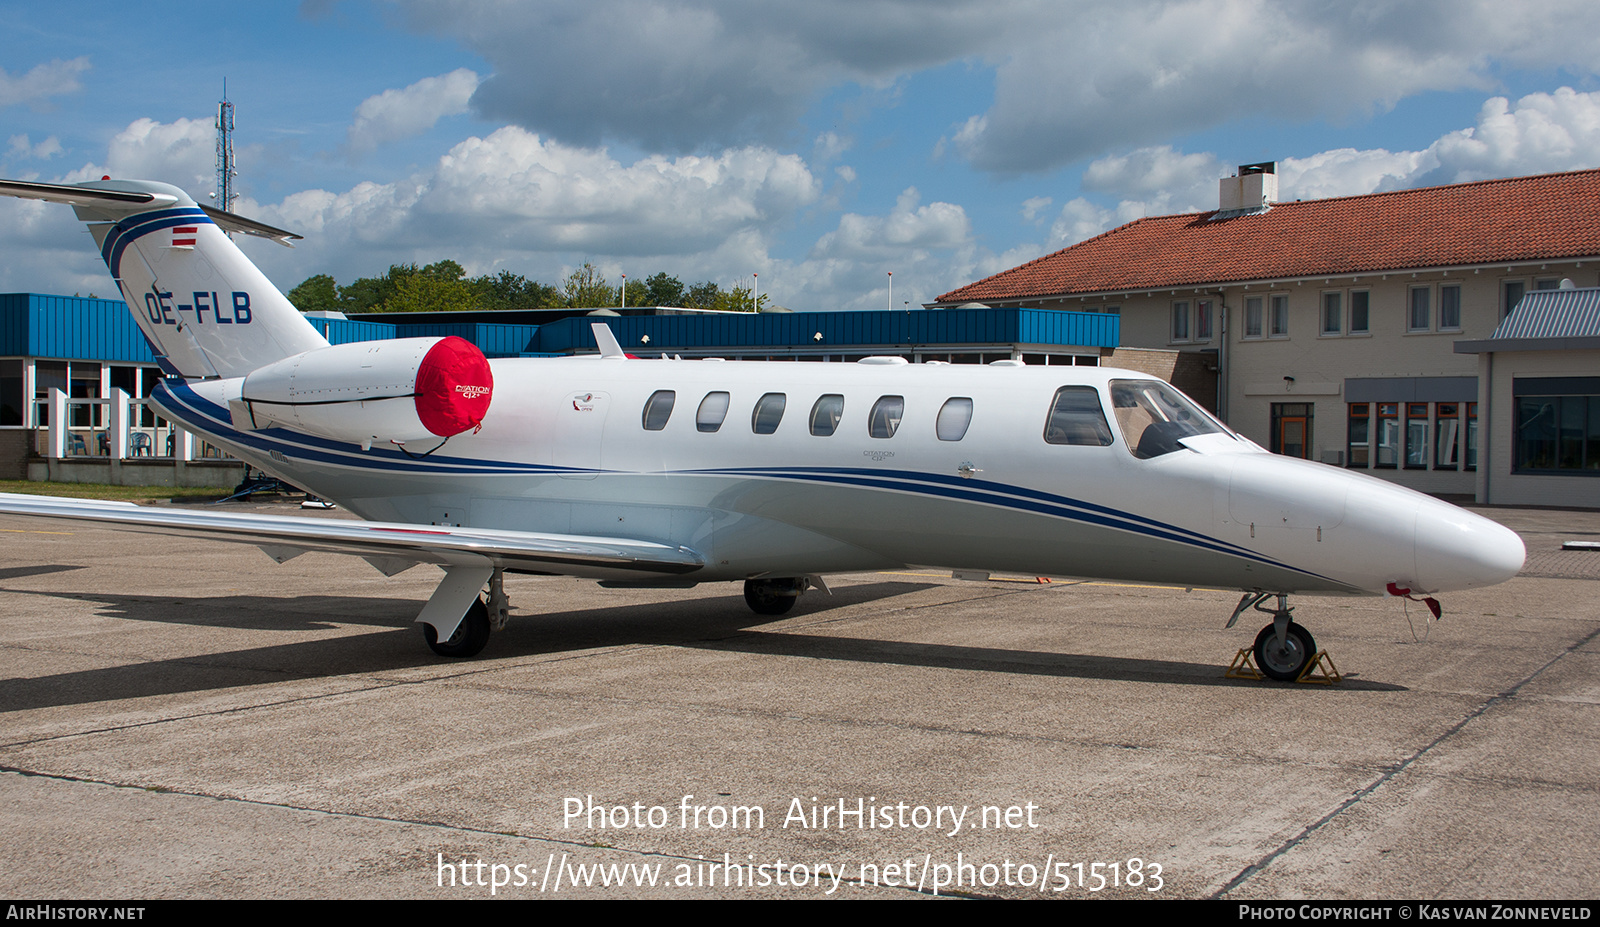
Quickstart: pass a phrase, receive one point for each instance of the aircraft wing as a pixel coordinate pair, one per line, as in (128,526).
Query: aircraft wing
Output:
(391,547)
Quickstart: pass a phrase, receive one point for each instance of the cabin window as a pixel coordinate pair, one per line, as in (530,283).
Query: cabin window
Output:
(1076,418)
(658,408)
(1153,417)
(713,410)
(768,413)
(954,417)
(884,419)
(825,415)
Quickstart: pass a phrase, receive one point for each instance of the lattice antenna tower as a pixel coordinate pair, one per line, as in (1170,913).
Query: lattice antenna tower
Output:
(225,167)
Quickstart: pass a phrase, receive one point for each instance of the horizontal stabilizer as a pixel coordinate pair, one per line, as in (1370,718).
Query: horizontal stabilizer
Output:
(79,196)
(232,223)
(379,541)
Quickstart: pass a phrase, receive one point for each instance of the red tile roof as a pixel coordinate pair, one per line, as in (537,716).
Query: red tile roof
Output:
(1490,221)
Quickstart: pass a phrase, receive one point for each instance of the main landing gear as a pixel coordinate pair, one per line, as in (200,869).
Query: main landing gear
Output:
(481,618)
(774,596)
(1283,649)
(470,635)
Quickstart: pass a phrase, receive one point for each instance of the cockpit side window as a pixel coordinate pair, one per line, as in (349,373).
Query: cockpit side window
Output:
(1076,418)
(1153,417)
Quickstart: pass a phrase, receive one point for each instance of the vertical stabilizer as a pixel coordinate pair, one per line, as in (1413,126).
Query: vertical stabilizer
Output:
(205,308)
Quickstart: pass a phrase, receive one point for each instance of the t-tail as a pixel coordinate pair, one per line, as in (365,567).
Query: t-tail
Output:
(205,308)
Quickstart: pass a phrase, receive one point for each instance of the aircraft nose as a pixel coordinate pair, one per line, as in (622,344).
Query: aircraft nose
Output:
(1457,549)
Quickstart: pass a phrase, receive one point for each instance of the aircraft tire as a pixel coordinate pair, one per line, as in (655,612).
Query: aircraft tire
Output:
(470,637)
(761,598)
(1287,664)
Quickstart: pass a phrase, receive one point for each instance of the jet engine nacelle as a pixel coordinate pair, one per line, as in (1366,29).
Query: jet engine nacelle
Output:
(405,389)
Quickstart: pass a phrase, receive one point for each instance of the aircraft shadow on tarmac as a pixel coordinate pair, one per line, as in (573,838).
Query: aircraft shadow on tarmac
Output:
(722,623)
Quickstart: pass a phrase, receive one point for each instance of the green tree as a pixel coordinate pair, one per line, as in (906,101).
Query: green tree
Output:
(662,290)
(638,294)
(702,296)
(586,289)
(739,299)
(425,292)
(320,292)
(507,290)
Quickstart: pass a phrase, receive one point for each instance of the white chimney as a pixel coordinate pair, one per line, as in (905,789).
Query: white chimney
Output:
(1254,187)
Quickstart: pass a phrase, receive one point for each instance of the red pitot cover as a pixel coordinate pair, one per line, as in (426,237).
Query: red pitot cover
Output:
(454,386)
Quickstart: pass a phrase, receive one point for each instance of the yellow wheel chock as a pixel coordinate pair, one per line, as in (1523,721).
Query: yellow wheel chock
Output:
(1320,671)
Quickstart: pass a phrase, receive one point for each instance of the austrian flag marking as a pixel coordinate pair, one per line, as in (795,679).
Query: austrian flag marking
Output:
(183,236)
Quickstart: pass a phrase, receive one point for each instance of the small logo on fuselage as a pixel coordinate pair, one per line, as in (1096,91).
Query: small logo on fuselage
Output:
(878,455)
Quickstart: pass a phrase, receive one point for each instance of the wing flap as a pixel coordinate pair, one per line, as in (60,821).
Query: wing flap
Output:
(558,553)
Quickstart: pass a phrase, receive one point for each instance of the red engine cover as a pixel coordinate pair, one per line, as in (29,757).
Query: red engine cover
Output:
(454,386)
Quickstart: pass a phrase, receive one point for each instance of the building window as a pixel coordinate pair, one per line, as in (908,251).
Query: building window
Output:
(1360,434)
(1418,319)
(1416,436)
(1291,429)
(1202,319)
(1450,307)
(1388,435)
(10,392)
(1510,294)
(1280,316)
(1558,432)
(1180,320)
(1472,436)
(1252,317)
(1360,300)
(1447,432)
(1332,313)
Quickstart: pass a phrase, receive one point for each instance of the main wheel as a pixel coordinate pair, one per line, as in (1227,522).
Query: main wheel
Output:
(764,599)
(1284,663)
(470,635)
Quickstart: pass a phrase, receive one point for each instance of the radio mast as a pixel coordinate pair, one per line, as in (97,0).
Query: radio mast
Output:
(225,169)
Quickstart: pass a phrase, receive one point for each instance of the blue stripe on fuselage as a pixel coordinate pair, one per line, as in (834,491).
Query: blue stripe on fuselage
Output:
(207,417)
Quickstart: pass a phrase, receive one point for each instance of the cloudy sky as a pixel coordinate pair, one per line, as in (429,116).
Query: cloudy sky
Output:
(820,144)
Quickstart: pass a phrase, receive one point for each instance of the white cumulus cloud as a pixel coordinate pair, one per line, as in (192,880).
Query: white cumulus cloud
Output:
(396,114)
(52,78)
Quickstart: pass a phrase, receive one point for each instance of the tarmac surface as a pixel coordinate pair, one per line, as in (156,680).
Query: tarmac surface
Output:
(181,719)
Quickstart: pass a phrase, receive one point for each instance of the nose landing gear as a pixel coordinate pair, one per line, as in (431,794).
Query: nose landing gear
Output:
(1283,649)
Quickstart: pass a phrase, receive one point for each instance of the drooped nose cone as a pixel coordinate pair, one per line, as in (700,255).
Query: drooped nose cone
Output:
(1459,550)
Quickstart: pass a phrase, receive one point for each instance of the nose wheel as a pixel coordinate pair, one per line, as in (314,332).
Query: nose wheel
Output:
(1284,659)
(1283,649)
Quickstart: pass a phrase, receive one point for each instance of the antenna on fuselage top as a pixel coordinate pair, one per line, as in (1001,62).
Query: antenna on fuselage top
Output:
(606,340)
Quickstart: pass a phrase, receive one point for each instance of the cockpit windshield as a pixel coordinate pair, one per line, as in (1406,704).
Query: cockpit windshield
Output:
(1153,416)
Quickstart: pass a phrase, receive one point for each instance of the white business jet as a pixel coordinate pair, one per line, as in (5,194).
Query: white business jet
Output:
(668,473)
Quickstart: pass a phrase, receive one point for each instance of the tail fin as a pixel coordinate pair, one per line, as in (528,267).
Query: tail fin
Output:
(206,309)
